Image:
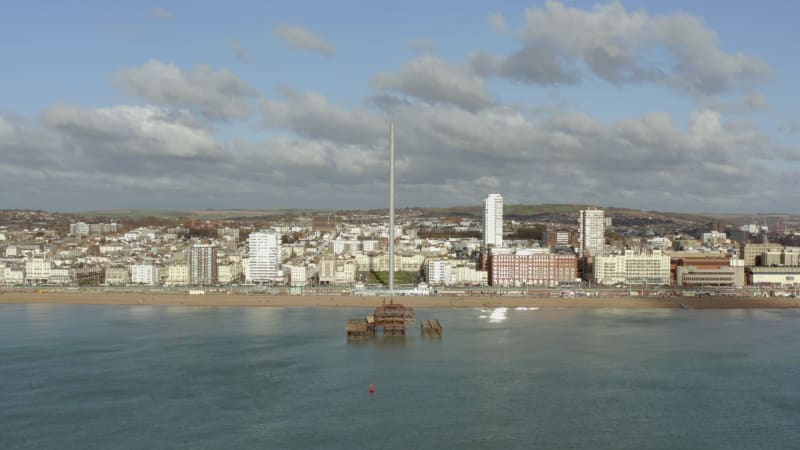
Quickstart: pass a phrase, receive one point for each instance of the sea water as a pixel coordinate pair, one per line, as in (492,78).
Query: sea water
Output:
(136,377)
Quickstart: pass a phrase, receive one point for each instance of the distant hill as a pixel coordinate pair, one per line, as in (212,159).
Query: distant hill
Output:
(205,214)
(543,212)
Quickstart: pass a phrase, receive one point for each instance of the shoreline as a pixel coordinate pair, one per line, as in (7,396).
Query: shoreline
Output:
(342,301)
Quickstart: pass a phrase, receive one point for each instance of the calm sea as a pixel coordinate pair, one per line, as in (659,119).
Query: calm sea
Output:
(142,377)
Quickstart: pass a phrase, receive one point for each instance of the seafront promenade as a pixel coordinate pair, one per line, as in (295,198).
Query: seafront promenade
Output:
(359,301)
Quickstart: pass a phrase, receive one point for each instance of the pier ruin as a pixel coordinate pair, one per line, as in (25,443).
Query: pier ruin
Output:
(390,319)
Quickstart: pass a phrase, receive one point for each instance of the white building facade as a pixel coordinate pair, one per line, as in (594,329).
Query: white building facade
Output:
(591,233)
(37,270)
(297,275)
(264,256)
(144,274)
(493,221)
(439,272)
(653,269)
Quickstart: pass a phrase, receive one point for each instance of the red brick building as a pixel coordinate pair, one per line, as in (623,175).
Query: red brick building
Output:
(531,267)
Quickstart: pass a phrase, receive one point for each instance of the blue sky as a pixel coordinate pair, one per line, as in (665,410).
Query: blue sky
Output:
(687,106)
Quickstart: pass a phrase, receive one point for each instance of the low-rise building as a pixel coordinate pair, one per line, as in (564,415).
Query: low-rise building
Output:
(145,274)
(752,251)
(60,276)
(558,238)
(297,275)
(13,277)
(632,268)
(178,274)
(774,276)
(229,273)
(468,276)
(89,275)
(337,272)
(438,272)
(730,275)
(37,270)
(117,275)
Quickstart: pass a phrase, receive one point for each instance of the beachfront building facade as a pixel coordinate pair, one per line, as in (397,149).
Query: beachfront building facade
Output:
(698,277)
(531,267)
(203,264)
(11,276)
(145,274)
(118,275)
(177,274)
(783,277)
(264,256)
(37,270)
(298,275)
(439,272)
(229,273)
(633,268)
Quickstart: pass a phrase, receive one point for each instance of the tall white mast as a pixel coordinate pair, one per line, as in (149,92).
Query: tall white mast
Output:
(391,209)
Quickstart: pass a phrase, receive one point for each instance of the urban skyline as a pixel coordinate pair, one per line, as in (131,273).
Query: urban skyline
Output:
(591,236)
(654,106)
(569,251)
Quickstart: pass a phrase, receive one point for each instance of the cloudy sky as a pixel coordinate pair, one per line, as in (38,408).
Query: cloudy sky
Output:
(679,105)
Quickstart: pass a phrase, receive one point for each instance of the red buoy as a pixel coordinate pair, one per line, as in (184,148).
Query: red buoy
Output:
(371,389)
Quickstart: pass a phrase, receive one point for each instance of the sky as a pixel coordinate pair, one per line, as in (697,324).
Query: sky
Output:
(670,106)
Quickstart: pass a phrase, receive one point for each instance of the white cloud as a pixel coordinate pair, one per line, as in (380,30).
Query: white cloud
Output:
(446,155)
(216,94)
(431,79)
(312,115)
(559,157)
(303,39)
(128,130)
(622,46)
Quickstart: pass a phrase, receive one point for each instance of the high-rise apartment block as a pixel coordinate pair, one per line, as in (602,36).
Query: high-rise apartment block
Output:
(591,233)
(203,264)
(493,221)
(264,258)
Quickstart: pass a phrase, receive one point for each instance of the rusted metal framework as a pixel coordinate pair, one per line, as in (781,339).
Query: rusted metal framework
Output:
(360,328)
(392,319)
(431,328)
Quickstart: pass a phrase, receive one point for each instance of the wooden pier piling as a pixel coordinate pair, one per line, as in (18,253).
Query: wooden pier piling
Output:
(431,328)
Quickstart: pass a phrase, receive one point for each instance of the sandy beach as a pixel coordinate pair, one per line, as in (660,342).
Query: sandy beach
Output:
(86,298)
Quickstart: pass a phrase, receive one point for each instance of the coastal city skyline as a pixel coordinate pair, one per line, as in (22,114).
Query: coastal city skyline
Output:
(566,251)
(454,224)
(653,106)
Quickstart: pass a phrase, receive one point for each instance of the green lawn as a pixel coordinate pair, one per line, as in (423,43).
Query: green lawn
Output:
(382,278)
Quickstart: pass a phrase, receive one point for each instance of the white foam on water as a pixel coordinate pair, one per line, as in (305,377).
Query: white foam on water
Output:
(498,315)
